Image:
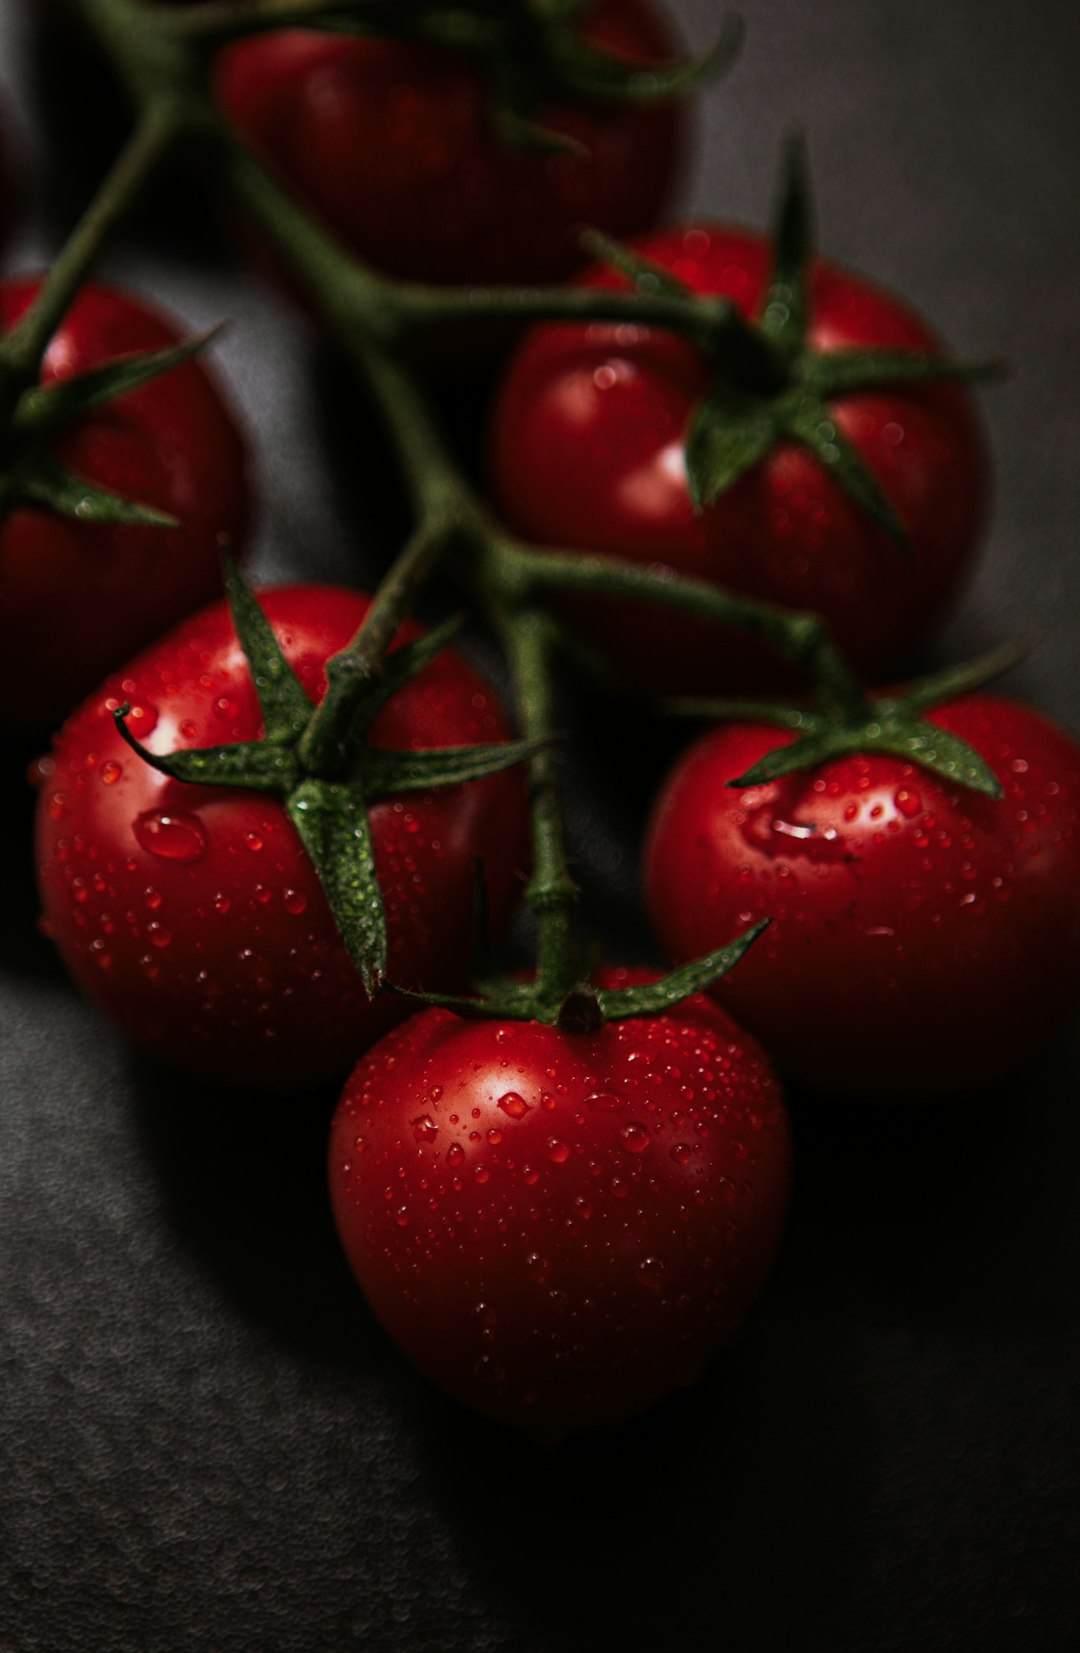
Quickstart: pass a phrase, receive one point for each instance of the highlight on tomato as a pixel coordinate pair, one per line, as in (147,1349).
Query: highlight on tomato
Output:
(561,1227)
(230,905)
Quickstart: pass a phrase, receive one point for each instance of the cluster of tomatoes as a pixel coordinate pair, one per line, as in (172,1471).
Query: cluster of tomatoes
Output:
(558,1226)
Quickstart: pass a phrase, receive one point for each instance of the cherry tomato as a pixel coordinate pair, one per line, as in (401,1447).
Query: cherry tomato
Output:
(589,452)
(560,1228)
(193,916)
(924,937)
(394,144)
(76,597)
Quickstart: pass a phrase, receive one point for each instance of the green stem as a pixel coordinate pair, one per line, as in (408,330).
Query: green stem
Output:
(551,892)
(352,671)
(802,638)
(352,298)
(22,350)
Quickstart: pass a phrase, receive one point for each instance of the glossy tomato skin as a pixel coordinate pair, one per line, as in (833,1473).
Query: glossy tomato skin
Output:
(561,1228)
(924,938)
(588,452)
(76,598)
(394,146)
(192,915)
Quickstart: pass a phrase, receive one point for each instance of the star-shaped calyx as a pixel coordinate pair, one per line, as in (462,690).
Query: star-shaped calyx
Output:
(894,723)
(769,383)
(532,53)
(32,475)
(317,761)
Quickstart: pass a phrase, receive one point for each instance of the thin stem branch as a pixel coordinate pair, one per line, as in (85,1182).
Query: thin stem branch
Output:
(800,637)
(22,350)
(551,892)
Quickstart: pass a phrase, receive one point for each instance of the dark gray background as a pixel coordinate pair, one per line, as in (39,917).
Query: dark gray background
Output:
(207,1446)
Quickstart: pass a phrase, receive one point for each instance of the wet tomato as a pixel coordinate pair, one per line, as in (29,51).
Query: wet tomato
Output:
(192,915)
(561,1228)
(924,937)
(395,146)
(76,597)
(589,452)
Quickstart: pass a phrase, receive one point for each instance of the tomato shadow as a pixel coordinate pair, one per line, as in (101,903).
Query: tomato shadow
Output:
(717,1520)
(243,1185)
(24,951)
(965,1211)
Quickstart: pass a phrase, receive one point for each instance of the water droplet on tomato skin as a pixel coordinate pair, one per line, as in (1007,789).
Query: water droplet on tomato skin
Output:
(455,1154)
(557,1151)
(171,835)
(605,1101)
(635,1138)
(513,1105)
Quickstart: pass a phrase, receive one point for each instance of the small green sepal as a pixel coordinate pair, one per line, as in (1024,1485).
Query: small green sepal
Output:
(46,409)
(43,481)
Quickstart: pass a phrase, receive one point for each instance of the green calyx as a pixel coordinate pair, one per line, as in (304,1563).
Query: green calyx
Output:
(32,475)
(328,804)
(770,384)
(893,724)
(584,1009)
(531,52)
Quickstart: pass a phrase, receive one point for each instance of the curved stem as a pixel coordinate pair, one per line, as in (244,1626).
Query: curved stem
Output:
(22,350)
(800,637)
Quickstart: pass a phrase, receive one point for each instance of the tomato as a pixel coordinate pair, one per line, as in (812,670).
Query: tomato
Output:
(560,1228)
(77,598)
(394,145)
(924,938)
(193,916)
(589,452)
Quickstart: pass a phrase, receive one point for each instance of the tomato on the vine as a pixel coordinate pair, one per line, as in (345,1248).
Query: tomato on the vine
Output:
(192,914)
(560,1228)
(395,144)
(589,452)
(923,937)
(77,597)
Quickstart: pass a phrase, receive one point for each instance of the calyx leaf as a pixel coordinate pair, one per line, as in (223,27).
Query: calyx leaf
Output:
(47,408)
(330,813)
(771,384)
(42,480)
(43,411)
(890,723)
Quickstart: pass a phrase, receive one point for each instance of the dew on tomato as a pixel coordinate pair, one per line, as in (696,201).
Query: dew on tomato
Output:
(588,452)
(222,955)
(610,1257)
(924,937)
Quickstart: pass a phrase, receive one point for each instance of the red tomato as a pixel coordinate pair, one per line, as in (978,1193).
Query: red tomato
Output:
(924,937)
(394,145)
(193,916)
(589,453)
(560,1228)
(75,597)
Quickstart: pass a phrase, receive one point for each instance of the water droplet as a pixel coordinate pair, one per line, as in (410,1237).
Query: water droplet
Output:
(295,902)
(513,1105)
(605,1101)
(557,1150)
(111,772)
(494,1137)
(253,842)
(401,1216)
(424,1128)
(171,836)
(681,1153)
(539,1268)
(650,1273)
(455,1154)
(158,936)
(635,1138)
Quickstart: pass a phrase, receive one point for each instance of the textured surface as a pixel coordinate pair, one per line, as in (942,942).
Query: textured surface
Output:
(206,1443)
